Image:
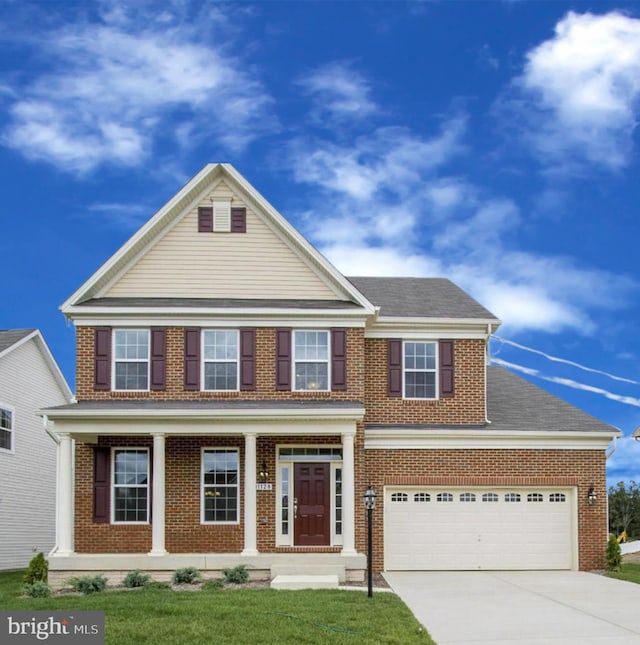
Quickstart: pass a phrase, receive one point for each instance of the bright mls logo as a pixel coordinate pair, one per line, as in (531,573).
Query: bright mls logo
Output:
(52,627)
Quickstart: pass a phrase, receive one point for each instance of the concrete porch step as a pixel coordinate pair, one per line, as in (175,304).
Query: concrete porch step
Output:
(305,582)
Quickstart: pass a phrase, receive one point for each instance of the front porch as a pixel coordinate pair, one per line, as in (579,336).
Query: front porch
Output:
(285,504)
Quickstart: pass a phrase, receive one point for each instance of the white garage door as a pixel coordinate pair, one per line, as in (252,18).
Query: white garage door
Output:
(479,528)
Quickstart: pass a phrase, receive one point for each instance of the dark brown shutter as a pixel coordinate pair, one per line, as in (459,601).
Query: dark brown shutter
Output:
(192,358)
(247,359)
(283,359)
(338,359)
(205,219)
(158,358)
(394,366)
(238,219)
(102,358)
(101,484)
(447,366)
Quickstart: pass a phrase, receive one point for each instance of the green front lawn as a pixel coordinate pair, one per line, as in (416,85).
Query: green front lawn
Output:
(630,571)
(236,615)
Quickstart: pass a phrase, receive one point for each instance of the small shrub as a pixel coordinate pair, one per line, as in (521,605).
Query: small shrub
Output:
(38,570)
(236,575)
(614,554)
(213,585)
(186,576)
(37,589)
(136,578)
(88,584)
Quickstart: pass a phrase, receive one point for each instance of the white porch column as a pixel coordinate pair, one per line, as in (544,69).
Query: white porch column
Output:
(158,496)
(348,495)
(250,503)
(65,495)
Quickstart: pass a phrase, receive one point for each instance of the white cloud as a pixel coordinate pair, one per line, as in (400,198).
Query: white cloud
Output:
(580,91)
(384,205)
(339,92)
(109,87)
(624,463)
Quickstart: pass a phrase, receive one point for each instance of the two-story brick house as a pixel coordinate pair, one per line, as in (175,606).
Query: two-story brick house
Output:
(236,395)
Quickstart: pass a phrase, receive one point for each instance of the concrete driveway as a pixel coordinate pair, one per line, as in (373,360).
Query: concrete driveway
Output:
(523,607)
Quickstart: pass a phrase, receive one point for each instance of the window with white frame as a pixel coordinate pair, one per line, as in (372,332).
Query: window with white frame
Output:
(220,359)
(220,477)
(130,485)
(6,428)
(420,370)
(311,360)
(131,359)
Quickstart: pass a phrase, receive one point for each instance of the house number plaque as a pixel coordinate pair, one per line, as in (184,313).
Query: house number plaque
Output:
(264,486)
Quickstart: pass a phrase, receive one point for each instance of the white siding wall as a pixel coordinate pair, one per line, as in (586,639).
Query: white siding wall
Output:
(28,475)
(255,264)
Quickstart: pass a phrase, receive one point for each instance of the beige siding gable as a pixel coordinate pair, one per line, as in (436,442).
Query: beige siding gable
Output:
(260,263)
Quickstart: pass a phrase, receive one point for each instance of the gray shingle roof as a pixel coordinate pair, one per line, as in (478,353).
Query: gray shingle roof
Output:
(516,404)
(420,297)
(212,404)
(10,337)
(223,303)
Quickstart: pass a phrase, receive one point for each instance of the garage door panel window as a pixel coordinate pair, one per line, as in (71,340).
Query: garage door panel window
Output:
(399,497)
(422,497)
(557,497)
(490,497)
(444,497)
(467,497)
(535,497)
(512,497)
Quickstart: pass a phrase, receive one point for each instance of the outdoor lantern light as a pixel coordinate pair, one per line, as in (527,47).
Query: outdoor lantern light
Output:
(370,498)
(370,504)
(591,495)
(264,473)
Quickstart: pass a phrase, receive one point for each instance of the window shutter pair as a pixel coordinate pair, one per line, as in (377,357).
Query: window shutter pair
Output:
(157,358)
(446,368)
(338,359)
(238,219)
(192,359)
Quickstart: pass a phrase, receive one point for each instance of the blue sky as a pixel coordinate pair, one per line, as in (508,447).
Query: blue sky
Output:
(494,143)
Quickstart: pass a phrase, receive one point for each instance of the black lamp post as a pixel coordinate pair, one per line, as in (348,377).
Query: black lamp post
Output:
(370,504)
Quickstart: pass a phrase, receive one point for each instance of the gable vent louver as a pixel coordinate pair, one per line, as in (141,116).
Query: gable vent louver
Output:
(222,216)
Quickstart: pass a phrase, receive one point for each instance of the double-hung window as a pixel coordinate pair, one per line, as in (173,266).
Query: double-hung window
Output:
(131,359)
(220,476)
(311,360)
(220,359)
(420,360)
(6,428)
(130,485)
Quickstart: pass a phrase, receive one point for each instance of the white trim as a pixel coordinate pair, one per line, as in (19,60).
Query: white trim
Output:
(202,496)
(203,360)
(197,317)
(430,328)
(12,430)
(158,496)
(399,438)
(115,360)
(327,361)
(112,485)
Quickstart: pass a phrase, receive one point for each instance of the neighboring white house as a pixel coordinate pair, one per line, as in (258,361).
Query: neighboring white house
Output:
(29,380)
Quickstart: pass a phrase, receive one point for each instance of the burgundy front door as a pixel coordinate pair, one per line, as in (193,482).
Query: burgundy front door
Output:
(312,526)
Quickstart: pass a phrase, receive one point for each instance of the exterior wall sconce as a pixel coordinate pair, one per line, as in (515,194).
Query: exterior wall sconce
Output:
(263,475)
(591,495)
(370,503)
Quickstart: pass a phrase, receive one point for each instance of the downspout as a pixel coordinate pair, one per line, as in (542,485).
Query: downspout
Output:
(486,372)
